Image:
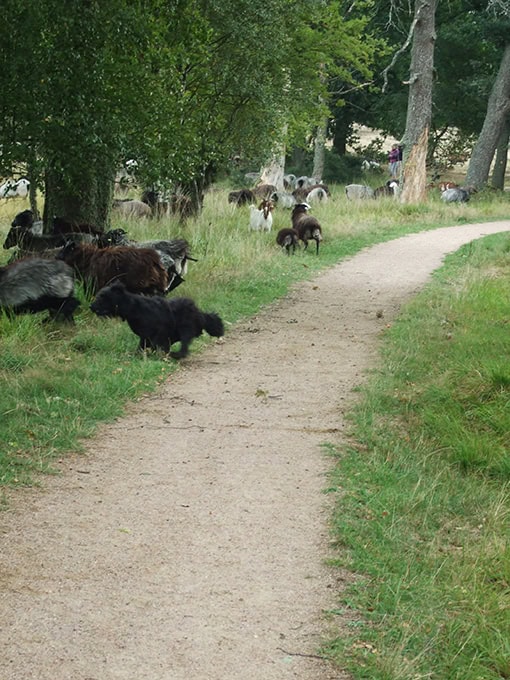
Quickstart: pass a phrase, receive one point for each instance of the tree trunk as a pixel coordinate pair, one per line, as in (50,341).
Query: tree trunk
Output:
(419,107)
(320,151)
(88,199)
(498,108)
(499,170)
(274,171)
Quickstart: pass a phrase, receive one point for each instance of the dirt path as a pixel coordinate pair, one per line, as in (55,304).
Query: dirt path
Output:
(188,544)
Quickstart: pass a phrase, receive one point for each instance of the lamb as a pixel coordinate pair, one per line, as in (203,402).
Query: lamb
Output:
(140,269)
(158,322)
(288,238)
(261,218)
(306,226)
(34,285)
(241,197)
(358,192)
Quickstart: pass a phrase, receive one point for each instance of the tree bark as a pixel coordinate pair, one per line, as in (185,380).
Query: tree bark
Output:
(319,154)
(419,107)
(87,199)
(498,108)
(500,164)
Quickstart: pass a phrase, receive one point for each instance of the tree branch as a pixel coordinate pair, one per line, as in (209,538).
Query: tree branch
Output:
(404,46)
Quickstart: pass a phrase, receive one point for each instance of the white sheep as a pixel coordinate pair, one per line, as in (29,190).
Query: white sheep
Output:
(317,195)
(358,192)
(15,188)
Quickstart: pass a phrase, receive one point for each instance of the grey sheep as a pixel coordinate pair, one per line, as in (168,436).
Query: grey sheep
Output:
(34,285)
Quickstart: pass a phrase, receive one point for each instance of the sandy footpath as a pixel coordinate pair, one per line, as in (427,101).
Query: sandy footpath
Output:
(189,542)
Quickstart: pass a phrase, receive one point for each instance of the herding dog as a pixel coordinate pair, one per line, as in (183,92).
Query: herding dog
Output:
(158,322)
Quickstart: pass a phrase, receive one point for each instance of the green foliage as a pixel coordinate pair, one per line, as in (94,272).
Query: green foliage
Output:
(423,505)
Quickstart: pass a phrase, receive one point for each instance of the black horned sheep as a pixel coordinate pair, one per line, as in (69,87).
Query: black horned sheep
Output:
(306,226)
(288,239)
(35,285)
(140,269)
(158,322)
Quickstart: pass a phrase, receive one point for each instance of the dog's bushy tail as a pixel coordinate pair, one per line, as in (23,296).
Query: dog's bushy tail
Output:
(213,324)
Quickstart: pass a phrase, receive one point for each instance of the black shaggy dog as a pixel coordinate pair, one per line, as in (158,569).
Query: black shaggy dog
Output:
(158,322)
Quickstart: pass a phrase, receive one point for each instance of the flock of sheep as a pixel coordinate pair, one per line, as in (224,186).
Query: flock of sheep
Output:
(131,279)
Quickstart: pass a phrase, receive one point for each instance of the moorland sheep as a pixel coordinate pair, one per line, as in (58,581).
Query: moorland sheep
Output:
(261,218)
(288,238)
(283,199)
(358,192)
(391,188)
(306,226)
(174,253)
(14,188)
(241,197)
(264,191)
(456,195)
(317,194)
(140,269)
(289,182)
(35,285)
(26,240)
(158,322)
(132,208)
(26,219)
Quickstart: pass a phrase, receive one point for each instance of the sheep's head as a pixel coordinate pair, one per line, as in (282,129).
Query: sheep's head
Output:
(14,237)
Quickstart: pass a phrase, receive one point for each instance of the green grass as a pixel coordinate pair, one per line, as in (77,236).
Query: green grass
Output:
(423,508)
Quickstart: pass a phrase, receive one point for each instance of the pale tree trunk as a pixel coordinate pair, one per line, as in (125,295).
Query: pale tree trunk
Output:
(498,108)
(274,171)
(501,161)
(319,153)
(419,107)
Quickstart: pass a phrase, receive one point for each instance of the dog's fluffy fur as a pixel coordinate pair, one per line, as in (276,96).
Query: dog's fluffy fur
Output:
(158,322)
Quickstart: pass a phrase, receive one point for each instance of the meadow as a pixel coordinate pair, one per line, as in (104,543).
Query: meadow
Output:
(421,490)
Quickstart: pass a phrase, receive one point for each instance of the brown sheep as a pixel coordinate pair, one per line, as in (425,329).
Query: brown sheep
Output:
(139,269)
(306,226)
(288,239)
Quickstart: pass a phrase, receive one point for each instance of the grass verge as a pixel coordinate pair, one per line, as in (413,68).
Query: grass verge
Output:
(423,487)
